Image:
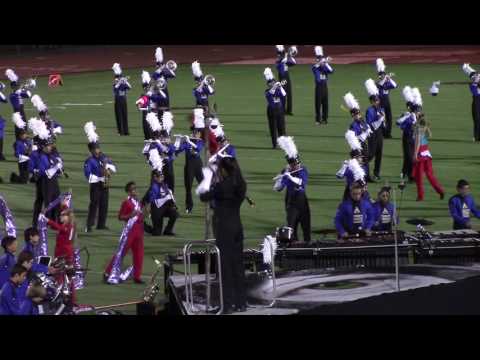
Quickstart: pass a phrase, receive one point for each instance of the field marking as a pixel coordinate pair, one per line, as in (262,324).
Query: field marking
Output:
(73,104)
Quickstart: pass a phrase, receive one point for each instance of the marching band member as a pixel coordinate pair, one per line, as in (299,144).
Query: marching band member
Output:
(165,71)
(142,103)
(10,302)
(3,99)
(168,150)
(97,170)
(120,88)
(321,69)
(423,159)
(162,204)
(228,193)
(462,206)
(355,214)
(193,162)
(435,89)
(32,241)
(358,129)
(475,90)
(215,129)
(375,118)
(275,95)
(385,83)
(294,177)
(53,127)
(131,238)
(22,148)
(406,123)
(353,171)
(7,261)
(17,95)
(286,59)
(203,89)
(384,211)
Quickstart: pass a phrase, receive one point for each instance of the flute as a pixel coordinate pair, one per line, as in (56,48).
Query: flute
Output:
(279,176)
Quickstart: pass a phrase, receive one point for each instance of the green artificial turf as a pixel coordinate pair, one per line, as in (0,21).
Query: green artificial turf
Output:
(242,108)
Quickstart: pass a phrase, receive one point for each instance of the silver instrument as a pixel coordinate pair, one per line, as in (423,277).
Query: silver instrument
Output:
(153,287)
(171,65)
(29,84)
(279,176)
(293,51)
(209,80)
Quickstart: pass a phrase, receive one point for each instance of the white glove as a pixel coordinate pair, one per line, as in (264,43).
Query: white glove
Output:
(111,167)
(42,217)
(206,182)
(57,130)
(278,185)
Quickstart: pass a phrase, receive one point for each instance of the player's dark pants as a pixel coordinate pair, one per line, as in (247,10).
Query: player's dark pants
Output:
(476,117)
(167,210)
(147,131)
(288,89)
(50,191)
(121,115)
(169,175)
(192,169)
(321,102)
(1,148)
(408,149)
(98,202)
(298,212)
(375,148)
(22,178)
(458,226)
(276,123)
(37,205)
(385,104)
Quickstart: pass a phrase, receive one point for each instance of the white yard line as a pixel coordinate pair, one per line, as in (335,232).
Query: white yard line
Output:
(72,104)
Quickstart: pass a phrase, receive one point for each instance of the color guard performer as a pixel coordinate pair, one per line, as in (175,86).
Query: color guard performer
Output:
(275,95)
(475,90)
(120,88)
(295,178)
(462,206)
(286,59)
(321,69)
(385,83)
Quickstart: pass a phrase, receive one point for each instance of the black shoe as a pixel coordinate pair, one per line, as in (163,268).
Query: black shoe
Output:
(168,233)
(103,228)
(318,123)
(388,137)
(88,229)
(228,311)
(377,178)
(242,308)
(2,158)
(138,281)
(442,196)
(188,210)
(105,278)
(289,113)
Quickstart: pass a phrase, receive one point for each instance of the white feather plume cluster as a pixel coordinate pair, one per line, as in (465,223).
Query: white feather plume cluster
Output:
(318,51)
(159,55)
(357,170)
(196,70)
(371,87)
(117,70)
(286,144)
(167,121)
(155,160)
(38,103)
(280,48)
(350,101)
(38,128)
(467,69)
(18,121)
(352,140)
(89,129)
(198,119)
(380,65)
(268,74)
(146,77)
(153,121)
(269,248)
(294,49)
(10,74)
(435,89)
(417,97)
(407,94)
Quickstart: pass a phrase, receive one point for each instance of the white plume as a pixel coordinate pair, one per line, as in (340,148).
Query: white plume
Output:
(352,140)
(286,144)
(294,49)
(407,94)
(145,77)
(167,121)
(417,97)
(155,160)
(38,128)
(153,121)
(10,74)
(159,55)
(269,247)
(280,48)
(117,69)
(198,119)
(196,70)
(467,69)
(351,102)
(357,170)
(18,121)
(318,51)
(371,87)
(380,65)
(89,129)
(38,103)
(268,74)
(435,89)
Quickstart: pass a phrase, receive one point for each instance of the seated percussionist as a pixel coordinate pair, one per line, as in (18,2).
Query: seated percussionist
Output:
(462,206)
(383,211)
(354,215)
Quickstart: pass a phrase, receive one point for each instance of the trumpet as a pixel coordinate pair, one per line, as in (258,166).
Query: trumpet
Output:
(209,80)
(277,84)
(171,65)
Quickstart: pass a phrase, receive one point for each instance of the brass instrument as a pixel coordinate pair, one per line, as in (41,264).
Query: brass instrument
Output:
(29,84)
(209,80)
(278,84)
(171,65)
(106,173)
(293,51)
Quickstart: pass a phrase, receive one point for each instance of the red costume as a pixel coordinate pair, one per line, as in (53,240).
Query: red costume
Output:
(423,164)
(135,237)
